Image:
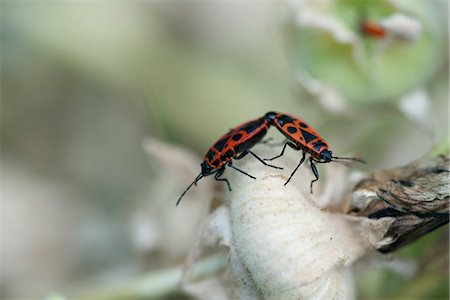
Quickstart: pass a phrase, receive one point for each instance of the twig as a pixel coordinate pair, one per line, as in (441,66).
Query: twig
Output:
(416,195)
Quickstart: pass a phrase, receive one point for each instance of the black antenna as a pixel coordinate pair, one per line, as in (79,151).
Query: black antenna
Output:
(350,158)
(200,176)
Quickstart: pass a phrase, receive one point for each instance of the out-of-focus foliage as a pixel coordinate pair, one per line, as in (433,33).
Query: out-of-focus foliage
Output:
(83,83)
(369,69)
(427,279)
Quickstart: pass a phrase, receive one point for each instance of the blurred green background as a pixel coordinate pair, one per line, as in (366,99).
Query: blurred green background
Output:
(84,83)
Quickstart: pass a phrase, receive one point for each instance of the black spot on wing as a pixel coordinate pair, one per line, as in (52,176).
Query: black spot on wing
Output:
(220,144)
(303,125)
(237,137)
(291,129)
(210,155)
(308,136)
(317,145)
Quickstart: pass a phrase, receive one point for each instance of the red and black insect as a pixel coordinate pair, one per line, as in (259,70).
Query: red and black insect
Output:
(303,137)
(235,144)
(372,29)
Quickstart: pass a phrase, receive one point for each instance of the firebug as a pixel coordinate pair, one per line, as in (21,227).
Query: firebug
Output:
(234,145)
(303,137)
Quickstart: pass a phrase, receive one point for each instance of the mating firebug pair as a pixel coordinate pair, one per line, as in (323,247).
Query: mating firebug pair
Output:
(239,140)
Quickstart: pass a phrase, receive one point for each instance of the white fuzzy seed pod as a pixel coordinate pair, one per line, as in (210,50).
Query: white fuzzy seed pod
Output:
(292,248)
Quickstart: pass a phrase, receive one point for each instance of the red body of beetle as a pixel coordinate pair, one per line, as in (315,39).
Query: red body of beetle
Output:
(303,137)
(372,29)
(234,145)
(295,129)
(237,140)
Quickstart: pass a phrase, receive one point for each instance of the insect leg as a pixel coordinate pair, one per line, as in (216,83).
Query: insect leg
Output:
(245,173)
(241,155)
(217,177)
(257,157)
(315,172)
(262,161)
(290,144)
(296,168)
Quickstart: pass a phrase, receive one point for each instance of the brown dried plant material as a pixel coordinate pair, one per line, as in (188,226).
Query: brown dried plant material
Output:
(416,195)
